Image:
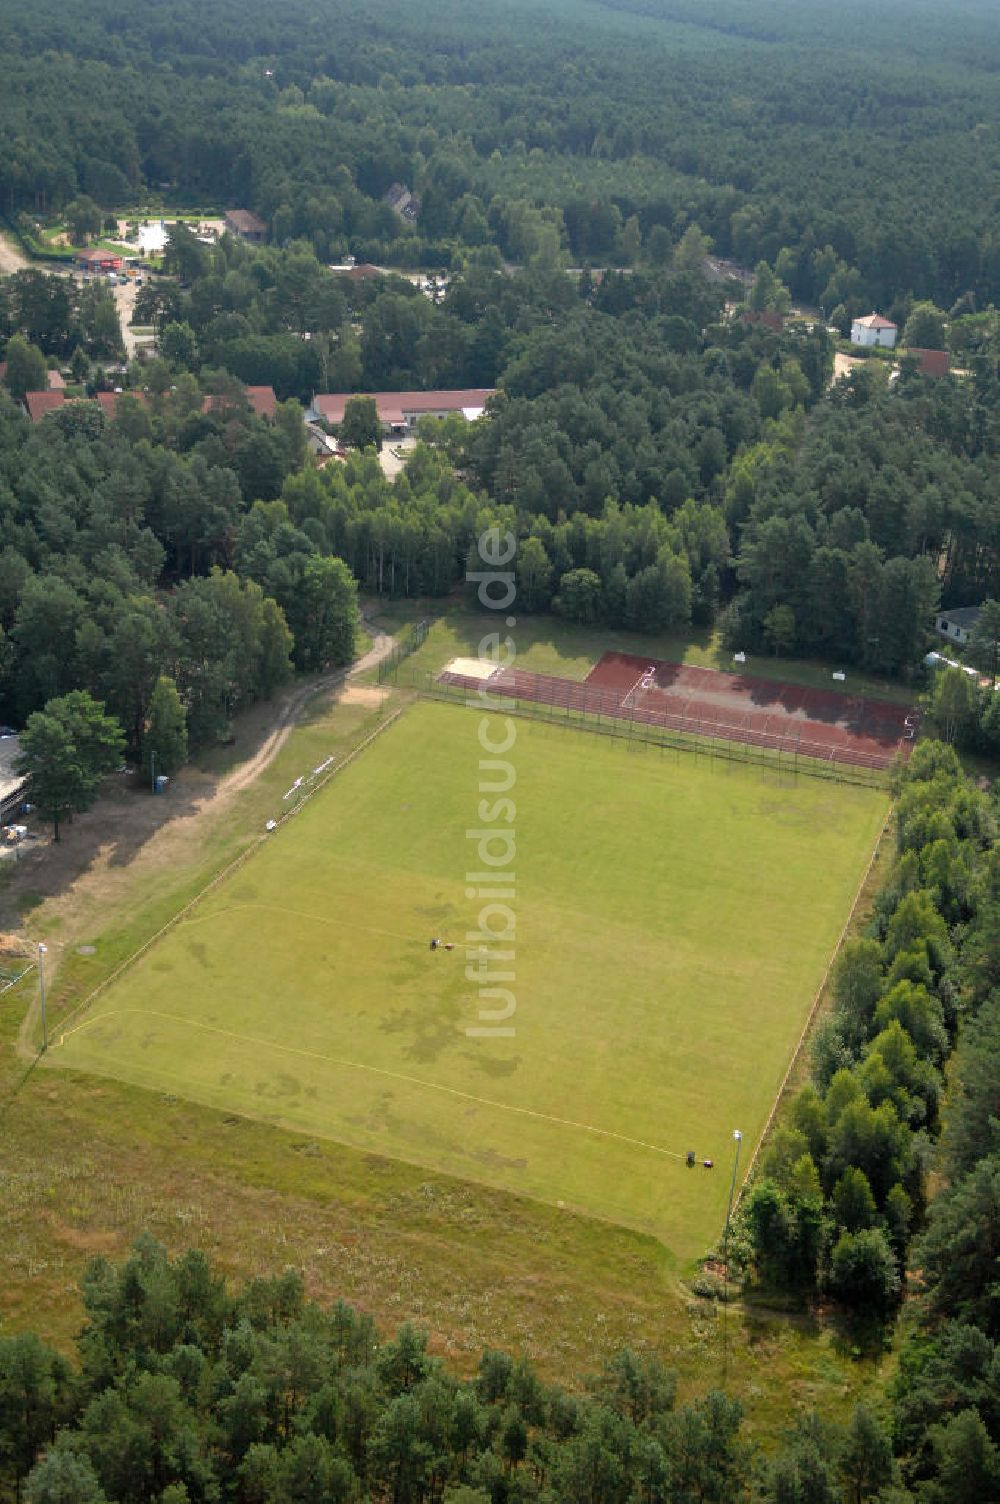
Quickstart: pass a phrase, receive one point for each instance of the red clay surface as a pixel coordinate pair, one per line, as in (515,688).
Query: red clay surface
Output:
(819,723)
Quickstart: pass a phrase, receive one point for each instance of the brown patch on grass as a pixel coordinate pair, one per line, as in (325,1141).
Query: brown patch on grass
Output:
(86,1240)
(371,695)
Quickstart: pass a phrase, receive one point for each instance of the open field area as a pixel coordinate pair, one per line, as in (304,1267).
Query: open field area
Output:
(88,1162)
(673,923)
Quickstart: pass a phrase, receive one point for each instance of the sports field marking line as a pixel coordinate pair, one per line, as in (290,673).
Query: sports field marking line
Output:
(375,1070)
(811,1015)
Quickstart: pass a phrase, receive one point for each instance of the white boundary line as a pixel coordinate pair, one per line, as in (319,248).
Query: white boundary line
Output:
(815,1003)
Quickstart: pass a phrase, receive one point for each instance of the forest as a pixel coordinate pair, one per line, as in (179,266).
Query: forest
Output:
(661,461)
(846,147)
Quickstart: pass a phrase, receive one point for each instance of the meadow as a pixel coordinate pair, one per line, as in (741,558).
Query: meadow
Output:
(673,920)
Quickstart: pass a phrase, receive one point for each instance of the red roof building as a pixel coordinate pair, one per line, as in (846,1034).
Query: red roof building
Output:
(363,271)
(40,404)
(400,410)
(98,261)
(108,401)
(262,400)
(931,362)
(246,225)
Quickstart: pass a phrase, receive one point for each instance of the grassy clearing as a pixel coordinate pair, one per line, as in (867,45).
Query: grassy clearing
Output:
(550,646)
(86,1163)
(673,922)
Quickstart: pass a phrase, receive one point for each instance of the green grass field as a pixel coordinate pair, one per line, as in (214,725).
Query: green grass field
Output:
(674,918)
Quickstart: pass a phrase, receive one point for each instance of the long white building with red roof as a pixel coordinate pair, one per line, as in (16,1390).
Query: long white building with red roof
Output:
(398,411)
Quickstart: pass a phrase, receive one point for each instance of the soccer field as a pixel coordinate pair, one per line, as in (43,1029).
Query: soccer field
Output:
(673,920)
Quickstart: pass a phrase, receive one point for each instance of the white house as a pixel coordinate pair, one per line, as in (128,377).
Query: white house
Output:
(957,625)
(873,329)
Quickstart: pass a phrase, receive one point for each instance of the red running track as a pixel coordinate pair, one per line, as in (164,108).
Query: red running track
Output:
(706,702)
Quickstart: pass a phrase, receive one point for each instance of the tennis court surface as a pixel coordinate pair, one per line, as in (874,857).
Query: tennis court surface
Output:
(766,713)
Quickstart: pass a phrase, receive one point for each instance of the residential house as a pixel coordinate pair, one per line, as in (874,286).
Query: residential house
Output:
(262,400)
(930,362)
(957,625)
(872,330)
(246,226)
(322,446)
(357,271)
(40,404)
(108,401)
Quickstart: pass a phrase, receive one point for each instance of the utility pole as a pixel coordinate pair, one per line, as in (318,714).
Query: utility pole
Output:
(152,769)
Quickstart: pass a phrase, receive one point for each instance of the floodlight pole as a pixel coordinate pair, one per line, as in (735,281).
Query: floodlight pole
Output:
(42,949)
(738,1136)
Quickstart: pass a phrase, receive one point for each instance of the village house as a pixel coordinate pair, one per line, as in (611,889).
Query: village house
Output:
(40,404)
(108,401)
(873,330)
(246,226)
(957,625)
(261,398)
(930,362)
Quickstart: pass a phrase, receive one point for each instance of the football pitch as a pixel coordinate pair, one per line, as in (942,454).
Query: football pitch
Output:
(673,919)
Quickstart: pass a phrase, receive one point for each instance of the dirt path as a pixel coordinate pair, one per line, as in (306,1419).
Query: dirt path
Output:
(244,775)
(843,365)
(11,259)
(62,892)
(124,295)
